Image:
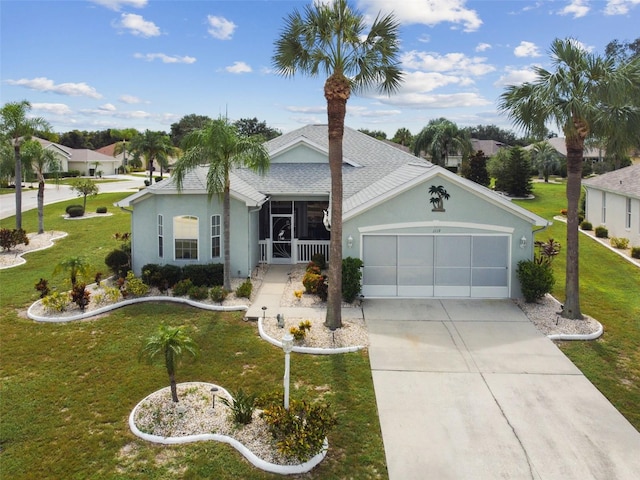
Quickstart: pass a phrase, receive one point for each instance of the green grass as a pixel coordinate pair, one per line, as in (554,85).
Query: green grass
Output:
(67,389)
(609,292)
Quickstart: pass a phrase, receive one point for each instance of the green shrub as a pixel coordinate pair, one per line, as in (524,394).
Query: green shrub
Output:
(134,286)
(245,289)
(319,260)
(351,277)
(11,238)
(586,225)
(181,288)
(198,293)
(602,232)
(101,210)
(242,407)
(80,295)
(158,178)
(536,279)
(218,294)
(171,274)
(300,431)
(311,281)
(619,242)
(56,302)
(209,274)
(70,207)
(75,212)
(118,262)
(635,252)
(151,275)
(300,332)
(112,294)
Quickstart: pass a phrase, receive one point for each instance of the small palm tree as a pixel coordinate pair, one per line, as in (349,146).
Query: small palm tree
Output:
(439,139)
(171,343)
(545,158)
(219,145)
(40,160)
(153,146)
(75,267)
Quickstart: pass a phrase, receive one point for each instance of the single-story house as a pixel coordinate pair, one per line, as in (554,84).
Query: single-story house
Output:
(62,153)
(613,200)
(590,154)
(420,230)
(90,162)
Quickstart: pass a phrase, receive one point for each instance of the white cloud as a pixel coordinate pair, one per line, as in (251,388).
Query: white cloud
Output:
(150,57)
(526,49)
(101,111)
(457,63)
(137,25)
(515,76)
(620,7)
(423,100)
(118,4)
(108,107)
(577,8)
(130,99)
(428,12)
(220,27)
(319,109)
(238,67)
(481,47)
(53,108)
(44,84)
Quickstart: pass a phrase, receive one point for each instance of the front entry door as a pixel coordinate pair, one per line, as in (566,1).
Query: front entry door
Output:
(281,234)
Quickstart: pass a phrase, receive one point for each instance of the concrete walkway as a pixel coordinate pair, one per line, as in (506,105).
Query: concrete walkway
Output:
(469,389)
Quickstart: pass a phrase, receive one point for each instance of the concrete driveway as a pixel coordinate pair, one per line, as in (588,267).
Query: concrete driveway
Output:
(469,389)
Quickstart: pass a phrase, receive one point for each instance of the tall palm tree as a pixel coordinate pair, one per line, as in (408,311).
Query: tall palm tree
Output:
(545,159)
(330,39)
(17,127)
(40,160)
(153,146)
(586,96)
(219,145)
(171,343)
(440,138)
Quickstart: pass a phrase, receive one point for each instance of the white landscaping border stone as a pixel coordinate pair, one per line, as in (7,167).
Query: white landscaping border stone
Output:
(248,454)
(132,301)
(308,350)
(23,260)
(576,336)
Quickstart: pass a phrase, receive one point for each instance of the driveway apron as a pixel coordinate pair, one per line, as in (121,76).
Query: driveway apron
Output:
(469,389)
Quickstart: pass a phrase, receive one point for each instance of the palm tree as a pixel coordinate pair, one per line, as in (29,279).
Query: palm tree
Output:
(40,160)
(75,267)
(16,127)
(545,159)
(587,96)
(171,343)
(153,146)
(330,39)
(440,138)
(219,145)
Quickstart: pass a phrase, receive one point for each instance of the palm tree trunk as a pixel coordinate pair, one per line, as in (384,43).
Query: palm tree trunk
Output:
(226,207)
(174,388)
(337,91)
(41,206)
(18,182)
(575,149)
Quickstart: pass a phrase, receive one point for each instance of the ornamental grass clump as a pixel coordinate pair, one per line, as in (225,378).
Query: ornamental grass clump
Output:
(242,406)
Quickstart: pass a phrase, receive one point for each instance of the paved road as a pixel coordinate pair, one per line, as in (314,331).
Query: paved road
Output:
(469,389)
(58,193)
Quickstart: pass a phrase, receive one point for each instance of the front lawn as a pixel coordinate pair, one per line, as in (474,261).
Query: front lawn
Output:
(609,287)
(67,389)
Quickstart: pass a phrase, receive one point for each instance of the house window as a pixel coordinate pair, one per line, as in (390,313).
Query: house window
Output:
(160,237)
(604,207)
(627,221)
(215,236)
(185,234)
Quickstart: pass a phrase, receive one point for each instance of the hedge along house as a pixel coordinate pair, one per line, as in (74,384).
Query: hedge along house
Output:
(420,230)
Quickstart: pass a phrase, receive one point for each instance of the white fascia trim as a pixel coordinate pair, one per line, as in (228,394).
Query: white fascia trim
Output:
(313,145)
(436,224)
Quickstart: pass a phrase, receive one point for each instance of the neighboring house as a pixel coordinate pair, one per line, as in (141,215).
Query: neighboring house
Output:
(110,149)
(590,154)
(488,147)
(82,159)
(613,200)
(410,248)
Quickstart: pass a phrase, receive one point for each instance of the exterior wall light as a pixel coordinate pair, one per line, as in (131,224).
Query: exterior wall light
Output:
(523,242)
(349,241)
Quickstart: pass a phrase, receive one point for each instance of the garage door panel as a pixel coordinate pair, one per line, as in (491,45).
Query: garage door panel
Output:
(453,251)
(380,250)
(379,275)
(414,251)
(490,251)
(415,275)
(489,277)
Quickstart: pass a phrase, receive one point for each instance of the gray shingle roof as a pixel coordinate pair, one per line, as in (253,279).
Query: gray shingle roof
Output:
(625,181)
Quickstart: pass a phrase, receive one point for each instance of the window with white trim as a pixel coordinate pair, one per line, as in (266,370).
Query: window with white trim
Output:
(627,221)
(160,237)
(604,207)
(185,237)
(215,236)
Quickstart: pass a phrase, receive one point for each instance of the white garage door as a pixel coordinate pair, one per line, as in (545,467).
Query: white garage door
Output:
(436,266)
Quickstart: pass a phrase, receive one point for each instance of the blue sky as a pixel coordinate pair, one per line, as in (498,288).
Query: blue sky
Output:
(98,64)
